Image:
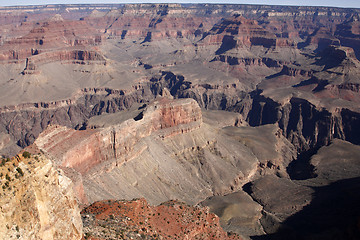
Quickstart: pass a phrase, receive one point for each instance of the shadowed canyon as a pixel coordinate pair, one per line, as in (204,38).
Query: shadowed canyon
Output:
(179,121)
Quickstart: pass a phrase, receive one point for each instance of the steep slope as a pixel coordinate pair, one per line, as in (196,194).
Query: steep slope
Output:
(37,200)
(165,151)
(140,153)
(266,56)
(330,195)
(135,219)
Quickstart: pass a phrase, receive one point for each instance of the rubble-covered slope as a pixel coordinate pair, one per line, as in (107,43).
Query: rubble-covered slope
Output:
(137,219)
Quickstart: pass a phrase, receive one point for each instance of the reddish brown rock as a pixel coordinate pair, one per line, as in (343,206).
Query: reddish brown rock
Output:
(49,41)
(170,220)
(152,21)
(82,150)
(239,32)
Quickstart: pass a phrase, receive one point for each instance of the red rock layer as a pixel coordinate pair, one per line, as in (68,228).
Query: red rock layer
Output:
(75,56)
(52,34)
(161,21)
(57,39)
(244,33)
(170,220)
(82,150)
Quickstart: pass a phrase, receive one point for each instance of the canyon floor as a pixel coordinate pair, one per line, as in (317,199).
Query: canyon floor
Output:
(170,121)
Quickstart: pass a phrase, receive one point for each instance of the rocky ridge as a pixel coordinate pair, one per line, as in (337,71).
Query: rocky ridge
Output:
(149,140)
(204,160)
(116,142)
(137,219)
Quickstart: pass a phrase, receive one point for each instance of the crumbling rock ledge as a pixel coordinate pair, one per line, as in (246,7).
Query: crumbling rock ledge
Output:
(170,220)
(37,201)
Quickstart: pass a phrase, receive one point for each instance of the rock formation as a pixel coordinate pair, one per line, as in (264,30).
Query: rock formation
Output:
(170,220)
(168,135)
(37,200)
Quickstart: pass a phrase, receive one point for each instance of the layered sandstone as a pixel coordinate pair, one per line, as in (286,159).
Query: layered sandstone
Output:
(37,201)
(54,40)
(238,32)
(82,150)
(138,152)
(152,22)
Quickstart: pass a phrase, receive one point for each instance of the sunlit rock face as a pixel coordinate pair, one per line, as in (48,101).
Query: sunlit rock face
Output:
(37,201)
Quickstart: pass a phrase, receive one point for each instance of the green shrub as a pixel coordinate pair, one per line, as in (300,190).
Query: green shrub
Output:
(26,154)
(20,171)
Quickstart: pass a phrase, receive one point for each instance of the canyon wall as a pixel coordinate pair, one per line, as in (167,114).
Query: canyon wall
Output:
(37,201)
(82,150)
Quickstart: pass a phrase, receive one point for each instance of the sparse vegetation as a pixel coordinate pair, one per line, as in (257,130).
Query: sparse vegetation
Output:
(26,154)
(20,171)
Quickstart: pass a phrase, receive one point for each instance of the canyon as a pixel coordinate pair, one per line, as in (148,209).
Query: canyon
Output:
(248,112)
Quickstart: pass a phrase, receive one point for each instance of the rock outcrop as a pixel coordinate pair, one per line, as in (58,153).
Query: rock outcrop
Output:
(136,218)
(237,32)
(37,200)
(168,135)
(82,150)
(53,40)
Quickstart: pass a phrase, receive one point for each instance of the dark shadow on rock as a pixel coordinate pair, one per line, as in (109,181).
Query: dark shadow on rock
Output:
(275,75)
(330,57)
(147,38)
(139,116)
(228,43)
(301,169)
(334,213)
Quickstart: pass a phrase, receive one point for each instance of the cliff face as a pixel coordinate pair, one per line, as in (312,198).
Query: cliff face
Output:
(99,150)
(140,149)
(82,150)
(53,40)
(237,32)
(37,201)
(247,47)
